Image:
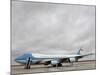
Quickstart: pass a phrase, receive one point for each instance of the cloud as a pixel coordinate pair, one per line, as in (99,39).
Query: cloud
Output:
(44,26)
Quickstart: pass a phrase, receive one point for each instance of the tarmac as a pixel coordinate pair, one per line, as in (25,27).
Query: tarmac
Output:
(81,65)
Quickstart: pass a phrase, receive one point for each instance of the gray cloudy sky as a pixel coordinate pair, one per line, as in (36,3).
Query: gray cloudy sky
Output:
(46,26)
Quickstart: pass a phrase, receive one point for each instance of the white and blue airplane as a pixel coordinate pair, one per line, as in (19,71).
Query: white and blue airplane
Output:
(54,60)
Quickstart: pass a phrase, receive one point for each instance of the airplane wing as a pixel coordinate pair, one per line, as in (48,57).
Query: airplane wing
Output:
(87,54)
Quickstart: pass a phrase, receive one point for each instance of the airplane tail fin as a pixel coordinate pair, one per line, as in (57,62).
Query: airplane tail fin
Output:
(78,51)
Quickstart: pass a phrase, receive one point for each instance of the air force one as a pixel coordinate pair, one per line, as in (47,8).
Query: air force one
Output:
(54,60)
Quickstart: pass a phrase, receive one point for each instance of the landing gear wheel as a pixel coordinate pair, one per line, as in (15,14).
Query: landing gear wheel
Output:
(54,65)
(59,64)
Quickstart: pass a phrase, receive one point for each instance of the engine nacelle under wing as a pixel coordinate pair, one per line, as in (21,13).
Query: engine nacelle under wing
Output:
(73,59)
(54,62)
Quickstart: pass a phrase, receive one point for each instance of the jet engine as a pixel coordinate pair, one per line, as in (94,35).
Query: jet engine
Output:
(72,59)
(55,63)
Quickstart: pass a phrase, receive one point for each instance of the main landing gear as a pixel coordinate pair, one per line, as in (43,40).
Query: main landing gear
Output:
(57,65)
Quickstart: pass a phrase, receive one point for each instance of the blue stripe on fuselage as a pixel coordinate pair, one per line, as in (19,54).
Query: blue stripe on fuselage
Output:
(23,58)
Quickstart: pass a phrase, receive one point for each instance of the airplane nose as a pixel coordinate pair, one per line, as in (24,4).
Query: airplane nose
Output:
(23,57)
(18,58)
